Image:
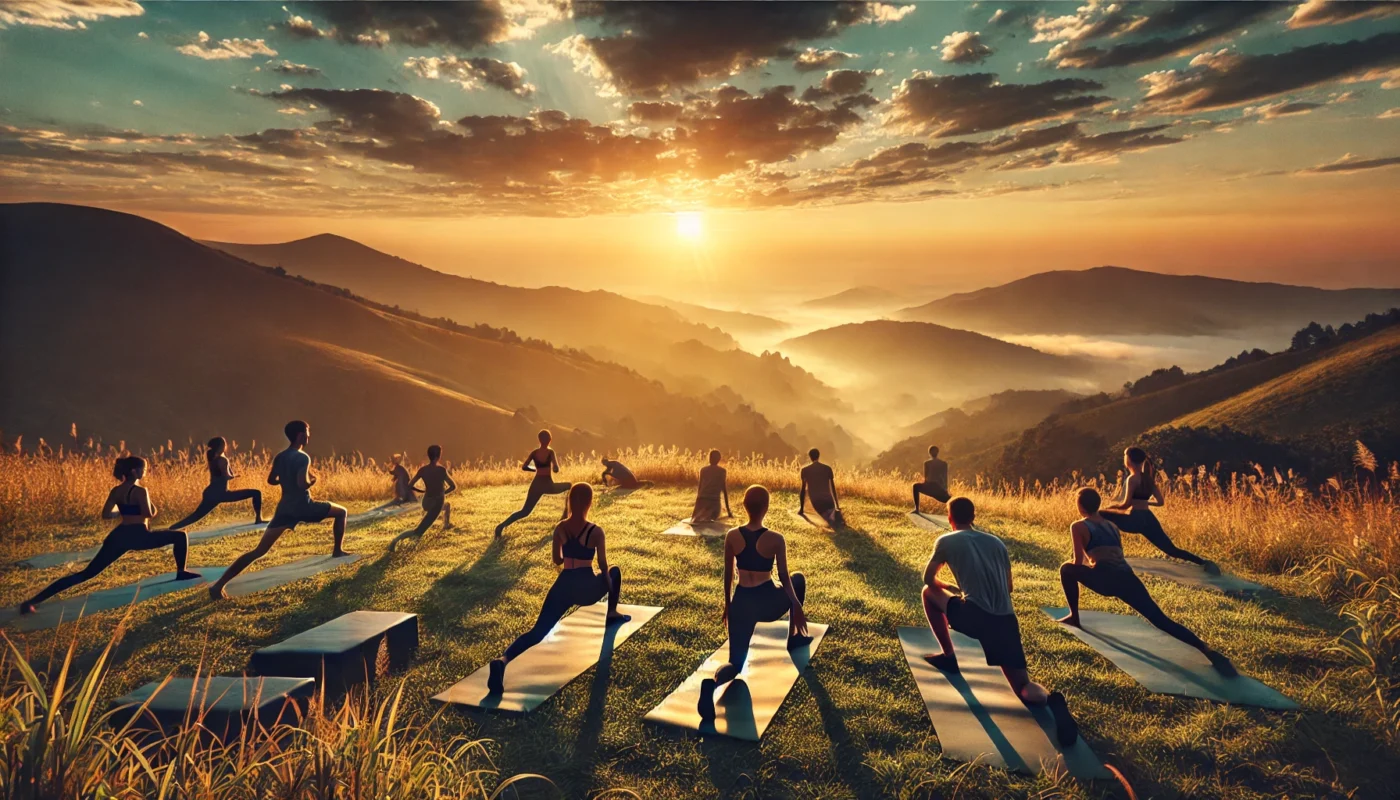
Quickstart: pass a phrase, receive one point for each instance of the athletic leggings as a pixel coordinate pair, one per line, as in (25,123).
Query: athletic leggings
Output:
(122,540)
(538,489)
(213,498)
(1122,583)
(579,586)
(751,605)
(432,507)
(1143,521)
(931,489)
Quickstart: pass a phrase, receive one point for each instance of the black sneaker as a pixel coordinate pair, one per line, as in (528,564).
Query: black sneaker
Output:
(944,661)
(496,680)
(795,642)
(706,706)
(1066,729)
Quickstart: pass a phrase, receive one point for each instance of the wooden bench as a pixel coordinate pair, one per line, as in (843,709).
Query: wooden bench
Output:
(348,651)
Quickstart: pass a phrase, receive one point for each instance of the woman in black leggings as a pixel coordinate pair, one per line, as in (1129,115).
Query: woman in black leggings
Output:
(752,549)
(1133,513)
(129,501)
(217,492)
(544,464)
(1096,540)
(576,540)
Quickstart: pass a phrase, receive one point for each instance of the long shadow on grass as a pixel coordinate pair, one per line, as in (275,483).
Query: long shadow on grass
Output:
(452,597)
(849,758)
(879,569)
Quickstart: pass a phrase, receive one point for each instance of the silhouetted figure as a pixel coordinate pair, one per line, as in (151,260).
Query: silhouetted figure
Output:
(1098,564)
(217,492)
(981,609)
(619,473)
(130,502)
(752,549)
(1140,493)
(819,486)
(403,486)
(712,488)
(436,484)
(544,464)
(576,541)
(291,470)
(935,483)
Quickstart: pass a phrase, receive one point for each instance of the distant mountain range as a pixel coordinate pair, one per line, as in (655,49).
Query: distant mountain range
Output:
(1117,301)
(733,322)
(857,299)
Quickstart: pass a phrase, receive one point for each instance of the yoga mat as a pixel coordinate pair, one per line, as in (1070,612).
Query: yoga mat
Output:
(687,528)
(46,560)
(978,717)
(578,642)
(811,517)
(1193,575)
(261,580)
(929,523)
(1163,664)
(744,707)
(66,609)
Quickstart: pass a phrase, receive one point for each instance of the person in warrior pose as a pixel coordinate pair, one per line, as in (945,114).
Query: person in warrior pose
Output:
(819,486)
(620,474)
(712,488)
(403,486)
(751,551)
(436,485)
(1098,564)
(131,503)
(979,606)
(576,542)
(217,492)
(544,464)
(1133,512)
(291,470)
(935,483)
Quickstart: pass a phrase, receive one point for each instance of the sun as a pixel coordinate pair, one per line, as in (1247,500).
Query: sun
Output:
(690,225)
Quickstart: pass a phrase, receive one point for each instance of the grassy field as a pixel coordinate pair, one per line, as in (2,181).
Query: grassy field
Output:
(853,726)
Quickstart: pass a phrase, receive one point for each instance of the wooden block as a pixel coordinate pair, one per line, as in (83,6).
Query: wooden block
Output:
(348,651)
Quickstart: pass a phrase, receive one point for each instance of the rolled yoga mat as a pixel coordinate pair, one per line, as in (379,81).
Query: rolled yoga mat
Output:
(1163,664)
(687,528)
(978,718)
(579,641)
(744,707)
(1193,575)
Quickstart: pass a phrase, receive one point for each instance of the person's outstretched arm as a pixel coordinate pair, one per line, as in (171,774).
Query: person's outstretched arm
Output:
(148,508)
(525,465)
(725,491)
(932,580)
(799,618)
(802,496)
(272,477)
(834,499)
(226,467)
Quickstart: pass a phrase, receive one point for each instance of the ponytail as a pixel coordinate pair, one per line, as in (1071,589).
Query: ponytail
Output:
(126,465)
(214,445)
(580,500)
(1139,456)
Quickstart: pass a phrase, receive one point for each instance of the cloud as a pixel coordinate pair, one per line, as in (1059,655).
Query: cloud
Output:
(1283,109)
(812,59)
(289,68)
(65,15)
(204,47)
(1350,163)
(1167,29)
(1329,12)
(471,73)
(1224,79)
(955,105)
(840,83)
(1012,15)
(1389,113)
(964,47)
(373,23)
(57,148)
(137,103)
(652,48)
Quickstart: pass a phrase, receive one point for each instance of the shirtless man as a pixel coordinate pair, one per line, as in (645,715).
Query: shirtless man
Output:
(935,483)
(819,486)
(620,474)
(713,487)
(436,484)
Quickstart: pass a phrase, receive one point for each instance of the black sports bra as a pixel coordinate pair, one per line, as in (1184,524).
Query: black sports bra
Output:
(542,467)
(749,558)
(129,509)
(574,545)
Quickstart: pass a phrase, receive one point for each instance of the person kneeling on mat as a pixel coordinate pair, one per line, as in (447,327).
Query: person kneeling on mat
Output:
(575,542)
(1098,541)
(935,483)
(753,548)
(981,609)
(819,487)
(712,488)
(621,476)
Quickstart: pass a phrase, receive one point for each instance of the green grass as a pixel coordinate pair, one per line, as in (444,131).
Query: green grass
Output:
(853,725)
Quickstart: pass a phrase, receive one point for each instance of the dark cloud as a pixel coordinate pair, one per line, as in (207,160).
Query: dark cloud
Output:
(472,72)
(1350,163)
(289,68)
(1331,12)
(839,83)
(1225,79)
(964,47)
(371,112)
(1166,29)
(812,59)
(956,105)
(20,145)
(651,48)
(417,24)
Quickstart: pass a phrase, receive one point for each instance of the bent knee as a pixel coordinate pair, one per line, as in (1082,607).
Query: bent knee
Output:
(1067,567)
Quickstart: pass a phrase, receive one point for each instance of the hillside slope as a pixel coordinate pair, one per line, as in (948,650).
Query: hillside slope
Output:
(1099,301)
(733,322)
(135,332)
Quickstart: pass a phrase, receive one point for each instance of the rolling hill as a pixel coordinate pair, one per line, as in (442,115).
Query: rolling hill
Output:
(135,332)
(1117,301)
(733,322)
(857,298)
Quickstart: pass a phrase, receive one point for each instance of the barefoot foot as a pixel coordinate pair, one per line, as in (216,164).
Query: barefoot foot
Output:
(340,553)
(27,608)
(944,661)
(1070,619)
(186,575)
(1066,729)
(617,617)
(706,706)
(1211,568)
(216,592)
(496,679)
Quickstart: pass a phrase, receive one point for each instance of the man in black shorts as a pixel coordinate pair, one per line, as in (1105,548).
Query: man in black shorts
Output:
(291,470)
(981,609)
(436,484)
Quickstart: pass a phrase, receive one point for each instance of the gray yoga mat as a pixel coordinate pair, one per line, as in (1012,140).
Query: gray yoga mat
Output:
(811,517)
(747,705)
(1164,665)
(56,611)
(1193,575)
(46,560)
(578,642)
(929,522)
(978,718)
(687,528)
(261,580)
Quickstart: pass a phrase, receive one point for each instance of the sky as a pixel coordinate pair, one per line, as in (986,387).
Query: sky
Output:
(729,150)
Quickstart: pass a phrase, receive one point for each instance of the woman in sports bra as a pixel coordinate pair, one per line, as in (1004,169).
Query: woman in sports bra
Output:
(751,550)
(1098,564)
(576,541)
(1133,513)
(130,502)
(217,492)
(544,464)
